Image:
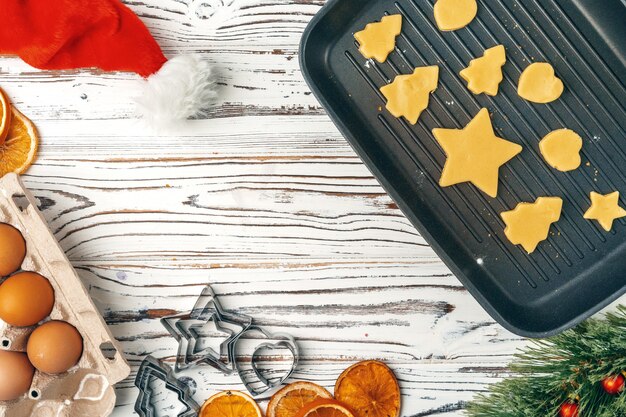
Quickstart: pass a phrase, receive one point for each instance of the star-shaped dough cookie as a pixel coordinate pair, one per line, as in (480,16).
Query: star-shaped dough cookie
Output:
(529,223)
(605,209)
(408,95)
(484,74)
(378,39)
(475,154)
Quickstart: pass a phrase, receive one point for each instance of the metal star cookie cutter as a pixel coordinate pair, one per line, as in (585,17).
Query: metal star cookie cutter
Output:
(240,323)
(283,341)
(189,341)
(186,329)
(152,369)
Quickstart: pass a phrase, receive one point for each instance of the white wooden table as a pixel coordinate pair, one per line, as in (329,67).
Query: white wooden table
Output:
(264,199)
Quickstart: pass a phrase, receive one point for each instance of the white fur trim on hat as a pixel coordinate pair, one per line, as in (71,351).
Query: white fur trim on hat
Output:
(181,89)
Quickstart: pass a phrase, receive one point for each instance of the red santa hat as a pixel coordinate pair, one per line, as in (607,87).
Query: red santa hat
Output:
(105,34)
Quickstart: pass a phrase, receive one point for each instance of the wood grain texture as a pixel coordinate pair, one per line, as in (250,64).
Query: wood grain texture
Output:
(262,198)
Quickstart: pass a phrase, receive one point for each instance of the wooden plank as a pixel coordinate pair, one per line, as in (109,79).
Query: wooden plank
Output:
(277,137)
(420,320)
(341,311)
(89,95)
(252,44)
(434,389)
(221,208)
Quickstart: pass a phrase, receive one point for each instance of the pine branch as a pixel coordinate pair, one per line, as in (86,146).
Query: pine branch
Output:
(553,371)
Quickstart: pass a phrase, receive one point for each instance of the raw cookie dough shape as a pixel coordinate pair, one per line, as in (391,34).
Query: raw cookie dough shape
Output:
(529,223)
(475,154)
(378,39)
(454,14)
(539,84)
(605,209)
(408,95)
(484,74)
(561,149)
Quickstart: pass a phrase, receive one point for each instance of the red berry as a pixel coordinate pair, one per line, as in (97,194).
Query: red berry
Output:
(569,410)
(613,384)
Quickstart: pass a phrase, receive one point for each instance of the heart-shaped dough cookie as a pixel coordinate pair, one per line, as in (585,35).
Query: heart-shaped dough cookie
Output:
(454,14)
(539,84)
(561,149)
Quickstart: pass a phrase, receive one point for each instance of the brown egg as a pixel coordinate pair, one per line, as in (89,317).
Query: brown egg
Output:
(12,249)
(26,298)
(16,374)
(54,347)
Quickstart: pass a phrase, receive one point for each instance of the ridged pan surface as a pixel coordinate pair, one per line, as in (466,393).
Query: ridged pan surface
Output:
(580,268)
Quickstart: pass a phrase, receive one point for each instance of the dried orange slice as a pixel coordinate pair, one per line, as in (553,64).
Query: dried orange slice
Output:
(325,408)
(370,389)
(230,404)
(292,398)
(18,151)
(5,116)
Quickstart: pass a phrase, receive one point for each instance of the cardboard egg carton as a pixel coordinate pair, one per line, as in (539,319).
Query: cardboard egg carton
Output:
(87,388)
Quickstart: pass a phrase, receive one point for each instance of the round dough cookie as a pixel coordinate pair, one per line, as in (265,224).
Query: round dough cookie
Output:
(454,14)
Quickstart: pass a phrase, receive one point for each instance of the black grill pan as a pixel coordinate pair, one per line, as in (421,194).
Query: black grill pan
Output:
(580,268)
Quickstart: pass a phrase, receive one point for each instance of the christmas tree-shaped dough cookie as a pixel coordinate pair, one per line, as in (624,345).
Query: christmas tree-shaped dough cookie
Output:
(529,223)
(605,209)
(408,95)
(378,39)
(475,154)
(484,74)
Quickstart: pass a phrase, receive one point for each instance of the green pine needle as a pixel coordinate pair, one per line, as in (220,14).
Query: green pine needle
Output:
(555,370)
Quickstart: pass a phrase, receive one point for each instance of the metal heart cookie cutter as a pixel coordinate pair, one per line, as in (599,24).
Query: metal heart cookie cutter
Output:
(190,330)
(254,379)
